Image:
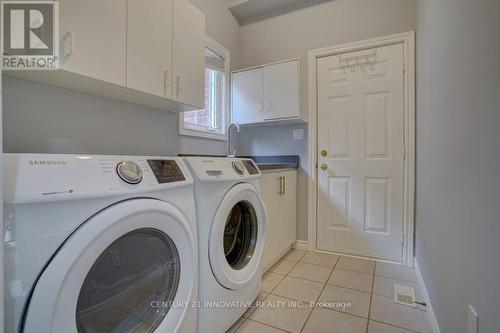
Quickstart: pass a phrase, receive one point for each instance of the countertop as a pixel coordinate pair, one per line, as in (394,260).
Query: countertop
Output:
(266,163)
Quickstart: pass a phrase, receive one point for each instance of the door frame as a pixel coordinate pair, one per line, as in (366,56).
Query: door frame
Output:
(407,39)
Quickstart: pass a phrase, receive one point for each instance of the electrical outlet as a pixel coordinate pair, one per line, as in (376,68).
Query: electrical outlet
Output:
(298,134)
(472,320)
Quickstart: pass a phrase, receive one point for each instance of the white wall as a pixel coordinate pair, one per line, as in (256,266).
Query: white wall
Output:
(458,159)
(39,118)
(292,35)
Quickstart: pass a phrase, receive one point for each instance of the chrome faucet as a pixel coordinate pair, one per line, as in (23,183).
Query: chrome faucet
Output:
(230,151)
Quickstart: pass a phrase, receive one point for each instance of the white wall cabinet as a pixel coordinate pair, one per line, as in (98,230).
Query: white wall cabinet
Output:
(279,193)
(189,54)
(92,36)
(248,96)
(149,46)
(149,53)
(268,93)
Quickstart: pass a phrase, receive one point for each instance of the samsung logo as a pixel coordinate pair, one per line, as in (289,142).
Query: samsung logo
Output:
(47,163)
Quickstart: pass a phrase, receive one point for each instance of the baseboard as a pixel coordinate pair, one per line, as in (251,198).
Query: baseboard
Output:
(301,245)
(430,311)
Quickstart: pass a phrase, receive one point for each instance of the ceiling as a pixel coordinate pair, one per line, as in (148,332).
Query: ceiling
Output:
(249,11)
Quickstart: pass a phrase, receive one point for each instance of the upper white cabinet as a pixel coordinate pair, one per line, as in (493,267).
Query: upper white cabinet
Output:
(281,91)
(248,96)
(268,93)
(189,54)
(92,37)
(144,52)
(149,46)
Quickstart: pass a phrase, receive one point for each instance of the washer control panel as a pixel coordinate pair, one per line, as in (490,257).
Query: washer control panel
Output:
(213,169)
(166,171)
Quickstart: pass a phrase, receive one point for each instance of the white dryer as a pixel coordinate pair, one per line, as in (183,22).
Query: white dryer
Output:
(99,244)
(232,227)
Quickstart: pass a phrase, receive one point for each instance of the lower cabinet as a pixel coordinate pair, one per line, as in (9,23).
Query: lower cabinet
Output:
(279,193)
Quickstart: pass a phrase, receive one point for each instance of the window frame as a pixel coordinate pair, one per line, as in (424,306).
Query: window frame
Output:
(222,117)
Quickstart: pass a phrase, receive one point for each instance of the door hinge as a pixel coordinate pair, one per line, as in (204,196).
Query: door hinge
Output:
(316,166)
(404,67)
(404,152)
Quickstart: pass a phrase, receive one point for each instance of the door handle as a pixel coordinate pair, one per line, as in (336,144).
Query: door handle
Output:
(280,182)
(324,153)
(323,167)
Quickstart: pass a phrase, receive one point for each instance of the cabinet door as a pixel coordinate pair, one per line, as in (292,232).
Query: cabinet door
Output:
(149,46)
(247,96)
(189,54)
(281,91)
(288,208)
(93,38)
(270,196)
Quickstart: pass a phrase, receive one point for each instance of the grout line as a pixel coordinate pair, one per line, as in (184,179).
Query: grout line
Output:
(392,325)
(317,298)
(268,325)
(371,297)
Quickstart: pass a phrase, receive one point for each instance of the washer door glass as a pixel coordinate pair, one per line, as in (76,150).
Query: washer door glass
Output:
(240,235)
(137,269)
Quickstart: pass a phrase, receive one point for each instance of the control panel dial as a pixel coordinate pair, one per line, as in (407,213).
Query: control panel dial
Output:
(238,167)
(130,172)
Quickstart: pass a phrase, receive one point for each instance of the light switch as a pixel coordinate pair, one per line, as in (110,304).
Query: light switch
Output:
(298,134)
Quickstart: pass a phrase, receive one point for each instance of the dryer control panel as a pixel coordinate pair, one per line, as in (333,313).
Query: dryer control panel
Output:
(166,171)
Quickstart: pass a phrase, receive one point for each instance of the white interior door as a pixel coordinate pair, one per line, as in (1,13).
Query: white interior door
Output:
(361,153)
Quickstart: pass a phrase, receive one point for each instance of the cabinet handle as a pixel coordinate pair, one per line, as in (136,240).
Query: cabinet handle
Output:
(178,88)
(268,105)
(165,79)
(280,181)
(284,185)
(70,49)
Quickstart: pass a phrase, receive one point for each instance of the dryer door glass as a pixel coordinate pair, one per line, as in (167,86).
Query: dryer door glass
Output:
(240,235)
(131,285)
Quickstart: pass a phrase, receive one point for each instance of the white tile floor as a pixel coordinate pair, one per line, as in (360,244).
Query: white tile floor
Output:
(302,279)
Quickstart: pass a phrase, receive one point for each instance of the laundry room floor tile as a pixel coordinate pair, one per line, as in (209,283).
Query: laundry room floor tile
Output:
(270,281)
(384,309)
(352,280)
(311,272)
(352,296)
(282,313)
(283,266)
(376,327)
(251,326)
(262,296)
(345,300)
(322,259)
(294,254)
(384,286)
(328,321)
(299,289)
(396,272)
(356,265)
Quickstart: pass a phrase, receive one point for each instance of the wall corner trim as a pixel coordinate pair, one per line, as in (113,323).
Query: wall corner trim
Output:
(301,245)
(430,311)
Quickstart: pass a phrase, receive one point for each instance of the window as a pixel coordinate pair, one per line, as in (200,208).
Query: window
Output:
(211,122)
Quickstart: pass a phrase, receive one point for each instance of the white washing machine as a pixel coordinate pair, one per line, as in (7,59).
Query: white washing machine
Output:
(231,236)
(99,244)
